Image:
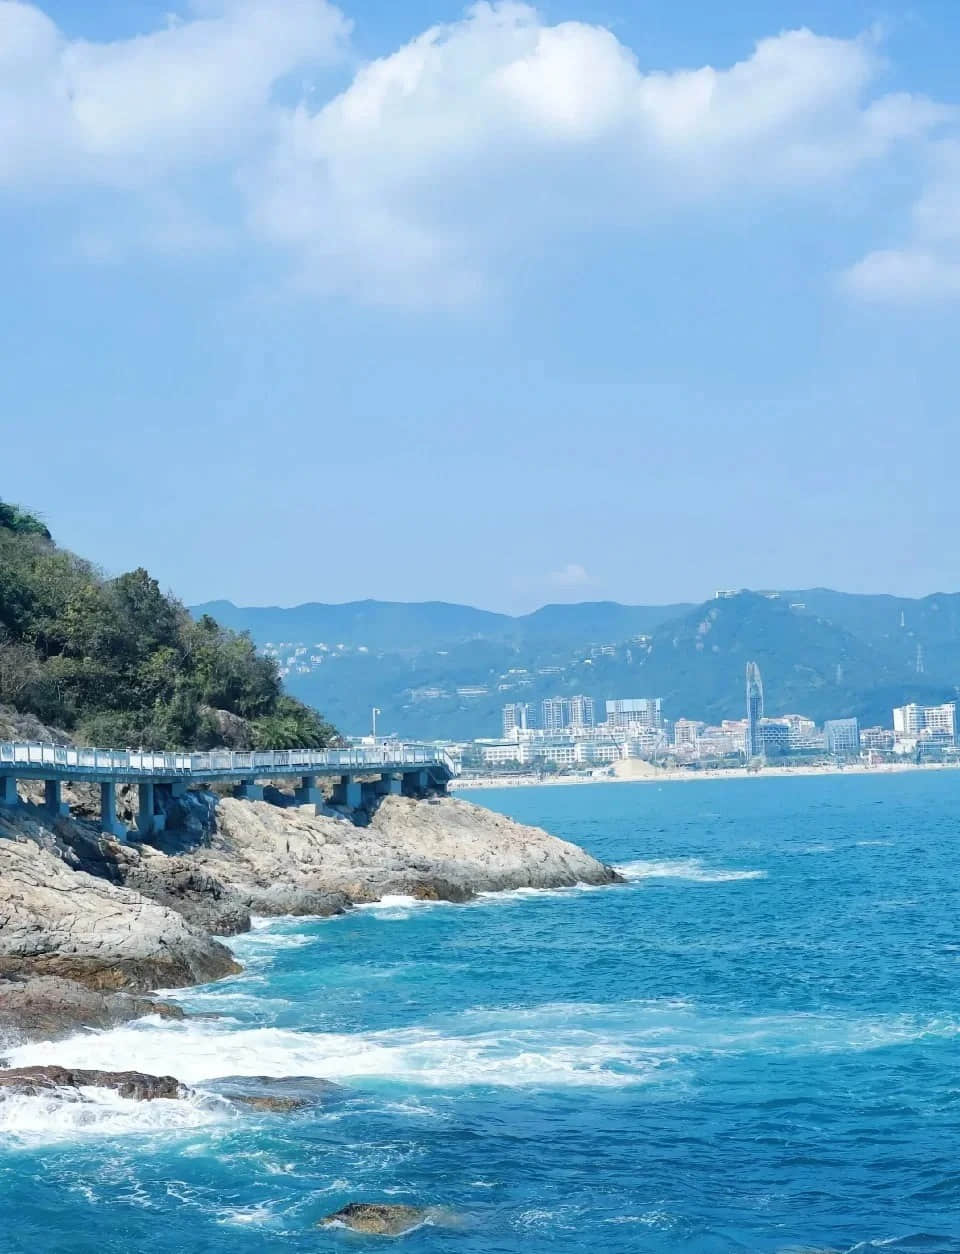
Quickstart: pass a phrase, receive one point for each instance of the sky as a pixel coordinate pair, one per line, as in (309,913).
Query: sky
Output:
(602,299)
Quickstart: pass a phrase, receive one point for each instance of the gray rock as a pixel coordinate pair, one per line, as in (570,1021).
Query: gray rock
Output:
(47,1008)
(56,921)
(449,850)
(198,896)
(264,1093)
(280,899)
(378,1219)
(31,1081)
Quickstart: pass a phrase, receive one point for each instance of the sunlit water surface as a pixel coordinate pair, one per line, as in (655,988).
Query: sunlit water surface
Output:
(753,1045)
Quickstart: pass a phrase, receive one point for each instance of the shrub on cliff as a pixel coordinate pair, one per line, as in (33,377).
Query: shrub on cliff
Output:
(122,663)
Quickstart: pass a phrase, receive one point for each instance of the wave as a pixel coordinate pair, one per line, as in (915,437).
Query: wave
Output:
(521,894)
(691,869)
(70,1114)
(558,1045)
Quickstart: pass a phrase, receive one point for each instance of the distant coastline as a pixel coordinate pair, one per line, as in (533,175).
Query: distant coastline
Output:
(655,776)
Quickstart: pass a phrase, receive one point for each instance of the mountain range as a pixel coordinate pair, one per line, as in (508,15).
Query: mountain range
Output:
(440,670)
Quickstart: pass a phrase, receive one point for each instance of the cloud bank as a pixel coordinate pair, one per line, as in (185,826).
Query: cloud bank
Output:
(475,142)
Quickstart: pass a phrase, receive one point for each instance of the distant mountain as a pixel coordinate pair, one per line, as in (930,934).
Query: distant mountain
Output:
(393,625)
(436,669)
(399,625)
(896,626)
(810,665)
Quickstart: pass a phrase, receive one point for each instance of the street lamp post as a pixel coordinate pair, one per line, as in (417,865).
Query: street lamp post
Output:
(373,715)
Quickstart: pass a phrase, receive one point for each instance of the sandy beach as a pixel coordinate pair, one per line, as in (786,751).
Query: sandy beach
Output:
(643,772)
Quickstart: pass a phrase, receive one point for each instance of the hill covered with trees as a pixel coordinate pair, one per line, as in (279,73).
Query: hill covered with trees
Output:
(443,670)
(118,662)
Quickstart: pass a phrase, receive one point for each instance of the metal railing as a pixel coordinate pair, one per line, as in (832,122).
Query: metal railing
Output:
(36,756)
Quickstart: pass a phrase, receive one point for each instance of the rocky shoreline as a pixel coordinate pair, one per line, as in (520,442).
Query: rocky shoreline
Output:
(88,925)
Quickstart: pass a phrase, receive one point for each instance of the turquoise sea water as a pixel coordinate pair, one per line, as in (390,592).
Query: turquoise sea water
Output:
(754,1045)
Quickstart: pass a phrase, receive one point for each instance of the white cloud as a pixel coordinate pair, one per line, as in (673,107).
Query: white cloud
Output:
(136,110)
(927,266)
(571,576)
(492,132)
(570,581)
(477,140)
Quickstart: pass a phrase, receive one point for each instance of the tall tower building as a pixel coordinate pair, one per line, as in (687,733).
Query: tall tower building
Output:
(754,742)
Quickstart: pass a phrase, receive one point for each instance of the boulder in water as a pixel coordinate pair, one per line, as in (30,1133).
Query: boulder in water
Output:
(31,1081)
(379,1219)
(47,1008)
(279,1096)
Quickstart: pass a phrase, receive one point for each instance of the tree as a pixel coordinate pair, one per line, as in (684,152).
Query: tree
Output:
(124,663)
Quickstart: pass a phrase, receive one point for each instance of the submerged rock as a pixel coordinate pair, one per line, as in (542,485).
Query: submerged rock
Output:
(31,1081)
(378,1218)
(47,1008)
(264,1093)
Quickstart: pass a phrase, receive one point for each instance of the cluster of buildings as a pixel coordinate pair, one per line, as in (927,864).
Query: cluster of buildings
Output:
(563,732)
(296,658)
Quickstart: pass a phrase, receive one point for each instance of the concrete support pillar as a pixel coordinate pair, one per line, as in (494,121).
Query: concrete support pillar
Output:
(249,790)
(8,791)
(389,786)
(148,820)
(53,798)
(369,794)
(348,793)
(308,794)
(178,787)
(416,783)
(108,812)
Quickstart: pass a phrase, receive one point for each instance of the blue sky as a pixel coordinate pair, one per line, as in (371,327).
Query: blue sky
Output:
(502,305)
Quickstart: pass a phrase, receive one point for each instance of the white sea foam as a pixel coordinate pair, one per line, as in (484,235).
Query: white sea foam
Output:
(659,1042)
(254,942)
(203,1051)
(392,901)
(524,894)
(691,869)
(92,1112)
(247,1216)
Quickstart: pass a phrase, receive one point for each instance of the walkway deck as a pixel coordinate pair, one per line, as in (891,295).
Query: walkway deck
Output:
(25,760)
(417,770)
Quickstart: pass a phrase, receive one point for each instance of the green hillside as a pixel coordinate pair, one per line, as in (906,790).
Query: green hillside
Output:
(822,653)
(119,663)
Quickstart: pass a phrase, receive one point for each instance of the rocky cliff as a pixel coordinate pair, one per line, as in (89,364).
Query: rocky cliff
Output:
(83,916)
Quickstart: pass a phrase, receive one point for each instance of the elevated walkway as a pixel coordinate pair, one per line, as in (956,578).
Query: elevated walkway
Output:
(412,769)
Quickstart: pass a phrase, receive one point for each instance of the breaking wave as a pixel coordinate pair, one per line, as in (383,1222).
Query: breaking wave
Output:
(68,1115)
(691,869)
(550,1046)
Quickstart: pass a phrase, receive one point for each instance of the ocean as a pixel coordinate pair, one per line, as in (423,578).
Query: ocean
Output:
(752,1045)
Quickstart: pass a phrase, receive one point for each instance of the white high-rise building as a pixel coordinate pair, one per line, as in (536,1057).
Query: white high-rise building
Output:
(636,712)
(555,713)
(908,720)
(686,732)
(939,721)
(517,718)
(581,711)
(560,713)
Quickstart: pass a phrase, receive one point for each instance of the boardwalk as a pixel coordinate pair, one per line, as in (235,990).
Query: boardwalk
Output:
(410,768)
